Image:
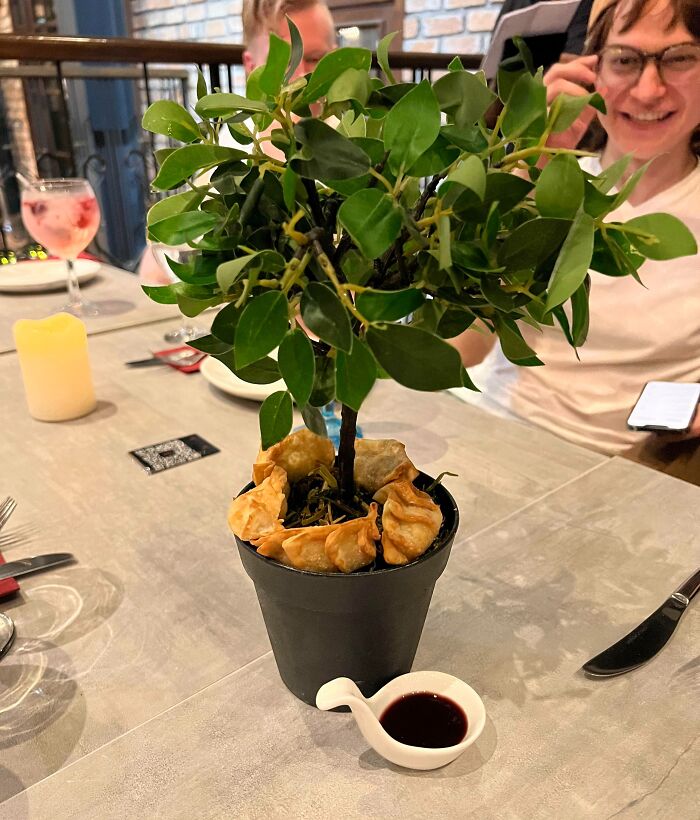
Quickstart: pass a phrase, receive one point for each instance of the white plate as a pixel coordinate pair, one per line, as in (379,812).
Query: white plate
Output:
(220,376)
(41,277)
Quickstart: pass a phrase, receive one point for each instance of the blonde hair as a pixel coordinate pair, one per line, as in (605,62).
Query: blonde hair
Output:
(261,16)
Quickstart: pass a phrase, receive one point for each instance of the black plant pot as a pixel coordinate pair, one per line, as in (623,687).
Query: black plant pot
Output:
(364,626)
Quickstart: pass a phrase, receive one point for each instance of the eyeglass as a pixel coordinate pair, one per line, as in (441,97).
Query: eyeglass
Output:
(626,64)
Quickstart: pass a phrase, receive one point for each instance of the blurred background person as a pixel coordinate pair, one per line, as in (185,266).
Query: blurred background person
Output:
(260,18)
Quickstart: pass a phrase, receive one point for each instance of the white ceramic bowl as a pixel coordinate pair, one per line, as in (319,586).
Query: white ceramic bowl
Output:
(367,711)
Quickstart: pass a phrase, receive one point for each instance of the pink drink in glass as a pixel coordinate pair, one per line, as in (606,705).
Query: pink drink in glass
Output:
(65,222)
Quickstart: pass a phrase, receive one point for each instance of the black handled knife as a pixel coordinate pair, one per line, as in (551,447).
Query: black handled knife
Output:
(648,638)
(13,569)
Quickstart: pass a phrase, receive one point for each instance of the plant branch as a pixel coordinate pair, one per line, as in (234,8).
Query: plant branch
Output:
(346,452)
(430,189)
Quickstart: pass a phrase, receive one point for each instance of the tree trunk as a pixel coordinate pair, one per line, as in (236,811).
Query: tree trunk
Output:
(346,452)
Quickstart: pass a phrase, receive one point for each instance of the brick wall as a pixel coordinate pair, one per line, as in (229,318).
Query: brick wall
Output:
(449,26)
(211,21)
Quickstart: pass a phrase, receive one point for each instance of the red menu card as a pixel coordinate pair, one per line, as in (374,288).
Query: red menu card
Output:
(9,586)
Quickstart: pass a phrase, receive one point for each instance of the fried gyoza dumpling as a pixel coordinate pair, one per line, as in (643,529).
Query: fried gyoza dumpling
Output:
(298,454)
(260,511)
(380,461)
(352,544)
(299,547)
(410,521)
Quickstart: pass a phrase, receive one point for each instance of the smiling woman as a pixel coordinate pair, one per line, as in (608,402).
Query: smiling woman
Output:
(648,72)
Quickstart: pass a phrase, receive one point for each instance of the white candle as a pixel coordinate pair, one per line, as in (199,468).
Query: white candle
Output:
(53,355)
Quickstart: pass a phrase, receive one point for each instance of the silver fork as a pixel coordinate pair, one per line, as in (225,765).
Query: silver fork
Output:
(6,509)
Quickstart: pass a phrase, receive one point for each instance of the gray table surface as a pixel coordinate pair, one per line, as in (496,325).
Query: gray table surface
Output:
(117,294)
(141,682)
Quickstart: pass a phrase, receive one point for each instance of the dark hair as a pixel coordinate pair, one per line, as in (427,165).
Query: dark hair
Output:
(685,12)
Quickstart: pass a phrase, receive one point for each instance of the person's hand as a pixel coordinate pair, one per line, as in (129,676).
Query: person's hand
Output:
(575,78)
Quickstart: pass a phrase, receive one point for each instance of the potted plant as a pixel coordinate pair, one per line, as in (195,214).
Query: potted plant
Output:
(385,224)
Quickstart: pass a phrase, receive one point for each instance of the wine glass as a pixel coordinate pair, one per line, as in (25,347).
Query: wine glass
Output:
(63,216)
(182,254)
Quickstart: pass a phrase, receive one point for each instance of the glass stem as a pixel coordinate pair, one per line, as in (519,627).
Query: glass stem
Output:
(73,286)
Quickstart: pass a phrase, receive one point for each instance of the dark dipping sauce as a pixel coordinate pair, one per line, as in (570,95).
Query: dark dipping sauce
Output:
(425,719)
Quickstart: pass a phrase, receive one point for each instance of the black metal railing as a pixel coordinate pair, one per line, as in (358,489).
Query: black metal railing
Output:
(72,106)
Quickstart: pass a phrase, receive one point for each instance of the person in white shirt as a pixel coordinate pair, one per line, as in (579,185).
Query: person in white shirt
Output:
(637,334)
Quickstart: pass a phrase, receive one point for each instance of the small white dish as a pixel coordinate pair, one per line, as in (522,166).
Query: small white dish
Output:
(45,276)
(368,711)
(221,377)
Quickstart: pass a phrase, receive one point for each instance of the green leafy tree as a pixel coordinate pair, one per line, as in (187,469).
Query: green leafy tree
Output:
(395,220)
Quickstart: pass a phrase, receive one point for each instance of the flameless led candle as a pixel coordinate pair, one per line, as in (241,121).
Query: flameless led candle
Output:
(53,355)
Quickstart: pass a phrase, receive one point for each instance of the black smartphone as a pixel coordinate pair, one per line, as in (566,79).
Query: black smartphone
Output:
(667,407)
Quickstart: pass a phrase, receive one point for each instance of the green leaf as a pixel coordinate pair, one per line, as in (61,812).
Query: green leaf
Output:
(228,273)
(415,358)
(276,416)
(527,103)
(439,156)
(514,347)
(672,237)
(211,345)
(372,220)
(506,189)
(225,323)
(388,305)
(611,175)
(464,96)
(264,371)
(355,374)
(383,56)
(297,49)
(162,294)
(326,154)
(566,109)
(455,64)
(580,313)
(412,126)
(352,84)
(627,189)
(261,328)
(314,421)
(324,382)
(323,313)
(272,75)
(356,268)
(290,180)
(532,242)
(468,139)
(172,120)
(331,66)
(175,204)
(573,261)
(595,202)
(201,85)
(193,307)
(560,187)
(454,322)
(226,105)
(184,162)
(296,363)
(469,174)
(181,228)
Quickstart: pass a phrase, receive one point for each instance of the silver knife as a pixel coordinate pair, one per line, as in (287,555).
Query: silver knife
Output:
(648,638)
(13,569)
